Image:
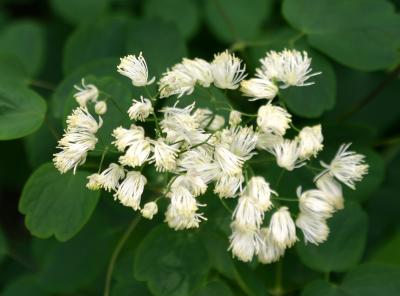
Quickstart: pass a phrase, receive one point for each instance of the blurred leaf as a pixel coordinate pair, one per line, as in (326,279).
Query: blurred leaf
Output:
(76,11)
(388,252)
(178,265)
(11,69)
(248,281)
(25,41)
(345,244)
(105,38)
(321,287)
(214,288)
(161,43)
(183,13)
(22,286)
(236,20)
(130,288)
(22,111)
(351,32)
(12,157)
(56,204)
(3,245)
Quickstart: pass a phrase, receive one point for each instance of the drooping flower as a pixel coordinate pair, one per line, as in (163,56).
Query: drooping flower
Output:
(191,182)
(259,88)
(109,178)
(287,154)
(130,190)
(332,190)
(164,155)
(244,243)
(126,137)
(230,163)
(86,93)
(227,70)
(269,251)
(140,110)
(94,182)
(315,230)
(314,203)
(217,123)
(227,186)
(135,68)
(235,118)
(100,107)
(199,70)
(242,141)
(310,141)
(271,66)
(273,119)
(137,153)
(149,210)
(81,119)
(260,191)
(282,228)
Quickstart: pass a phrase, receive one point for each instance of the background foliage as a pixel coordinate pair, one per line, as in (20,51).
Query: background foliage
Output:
(57,238)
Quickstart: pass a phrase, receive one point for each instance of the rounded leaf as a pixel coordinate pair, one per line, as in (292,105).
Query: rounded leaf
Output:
(76,11)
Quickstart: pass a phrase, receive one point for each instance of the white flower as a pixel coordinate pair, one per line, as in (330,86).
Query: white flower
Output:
(269,251)
(314,203)
(273,119)
(182,211)
(130,190)
(332,189)
(110,177)
(176,82)
(287,154)
(126,137)
(267,141)
(282,228)
(149,210)
(135,68)
(164,155)
(217,123)
(244,243)
(191,182)
(310,141)
(271,66)
(203,116)
(81,118)
(259,88)
(242,141)
(235,118)
(248,214)
(140,110)
(315,230)
(347,166)
(228,186)
(86,93)
(199,70)
(100,107)
(230,163)
(137,153)
(295,69)
(227,71)
(260,191)
(94,182)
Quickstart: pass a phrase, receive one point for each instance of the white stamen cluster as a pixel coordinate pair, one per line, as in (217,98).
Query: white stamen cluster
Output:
(88,93)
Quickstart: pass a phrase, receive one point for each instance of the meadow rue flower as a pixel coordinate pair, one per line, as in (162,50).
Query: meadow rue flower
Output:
(260,191)
(235,118)
(109,178)
(164,155)
(248,214)
(176,82)
(244,243)
(287,154)
(203,116)
(191,182)
(271,66)
(310,141)
(315,229)
(86,93)
(135,68)
(227,70)
(242,141)
(273,119)
(81,119)
(332,190)
(94,182)
(100,107)
(259,88)
(140,110)
(149,210)
(282,228)
(137,153)
(314,203)
(269,251)
(199,70)
(130,190)
(217,123)
(266,141)
(227,186)
(230,163)
(347,166)
(126,137)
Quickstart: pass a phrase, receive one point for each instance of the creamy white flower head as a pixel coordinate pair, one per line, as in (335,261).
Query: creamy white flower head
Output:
(203,116)
(199,70)
(149,210)
(282,228)
(81,118)
(137,153)
(130,190)
(287,154)
(86,93)
(244,243)
(176,82)
(273,119)
(267,141)
(235,118)
(332,189)
(248,214)
(164,155)
(242,141)
(135,68)
(126,137)
(94,182)
(182,211)
(227,186)
(259,189)
(310,141)
(271,66)
(191,182)
(217,123)
(296,69)
(140,110)
(259,88)
(227,70)
(347,166)
(314,203)
(315,230)
(110,177)
(229,163)
(269,251)
(100,107)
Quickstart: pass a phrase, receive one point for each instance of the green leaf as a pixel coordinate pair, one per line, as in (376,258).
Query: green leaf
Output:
(345,244)
(56,204)
(321,287)
(24,285)
(22,111)
(178,265)
(3,245)
(161,43)
(171,10)
(105,38)
(24,40)
(236,20)
(388,251)
(130,288)
(12,70)
(214,288)
(76,11)
(351,32)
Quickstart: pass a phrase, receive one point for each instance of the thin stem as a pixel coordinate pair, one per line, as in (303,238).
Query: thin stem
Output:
(42,84)
(108,96)
(279,178)
(285,199)
(116,253)
(158,129)
(225,205)
(278,279)
(51,128)
(102,159)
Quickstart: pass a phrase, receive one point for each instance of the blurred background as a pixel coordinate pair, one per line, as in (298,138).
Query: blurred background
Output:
(48,46)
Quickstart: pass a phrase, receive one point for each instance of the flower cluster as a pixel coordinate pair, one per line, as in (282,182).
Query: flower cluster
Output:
(194,149)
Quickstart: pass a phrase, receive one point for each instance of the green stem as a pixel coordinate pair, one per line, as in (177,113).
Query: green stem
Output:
(103,155)
(278,279)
